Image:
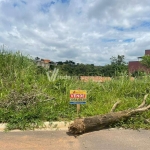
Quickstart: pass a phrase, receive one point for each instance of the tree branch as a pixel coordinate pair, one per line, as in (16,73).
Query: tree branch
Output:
(114,106)
(144,102)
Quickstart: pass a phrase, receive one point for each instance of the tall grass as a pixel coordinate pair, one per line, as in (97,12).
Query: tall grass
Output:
(20,80)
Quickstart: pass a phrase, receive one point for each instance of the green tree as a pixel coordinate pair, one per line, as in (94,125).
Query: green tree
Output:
(119,60)
(117,66)
(146,60)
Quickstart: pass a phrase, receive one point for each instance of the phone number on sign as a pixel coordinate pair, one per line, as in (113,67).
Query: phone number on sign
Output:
(82,96)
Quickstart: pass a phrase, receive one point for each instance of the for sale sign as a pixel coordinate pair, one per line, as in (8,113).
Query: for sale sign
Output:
(78,96)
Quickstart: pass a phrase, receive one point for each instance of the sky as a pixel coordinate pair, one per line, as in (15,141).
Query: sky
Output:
(84,31)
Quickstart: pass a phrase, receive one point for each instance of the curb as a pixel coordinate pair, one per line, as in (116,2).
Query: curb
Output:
(47,126)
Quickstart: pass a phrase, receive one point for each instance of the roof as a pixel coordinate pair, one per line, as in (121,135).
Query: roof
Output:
(46,60)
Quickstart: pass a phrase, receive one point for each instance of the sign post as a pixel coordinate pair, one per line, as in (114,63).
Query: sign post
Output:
(78,97)
(78,108)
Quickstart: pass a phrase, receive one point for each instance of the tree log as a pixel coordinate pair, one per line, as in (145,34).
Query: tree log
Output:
(83,125)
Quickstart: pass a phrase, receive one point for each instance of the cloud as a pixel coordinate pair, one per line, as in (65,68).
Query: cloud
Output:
(85,31)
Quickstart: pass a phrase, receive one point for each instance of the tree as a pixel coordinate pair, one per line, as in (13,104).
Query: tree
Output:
(117,66)
(119,60)
(146,60)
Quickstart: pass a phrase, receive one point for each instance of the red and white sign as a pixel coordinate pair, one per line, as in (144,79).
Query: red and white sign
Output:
(78,94)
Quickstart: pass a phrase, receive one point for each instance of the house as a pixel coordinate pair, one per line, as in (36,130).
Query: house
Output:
(134,66)
(45,63)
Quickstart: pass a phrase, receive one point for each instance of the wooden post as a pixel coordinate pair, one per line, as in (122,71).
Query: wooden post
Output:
(78,106)
(78,109)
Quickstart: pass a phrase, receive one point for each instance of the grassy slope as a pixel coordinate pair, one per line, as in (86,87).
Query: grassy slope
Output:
(20,79)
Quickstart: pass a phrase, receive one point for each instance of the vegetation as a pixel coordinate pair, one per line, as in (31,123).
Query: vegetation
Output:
(117,66)
(27,98)
(146,60)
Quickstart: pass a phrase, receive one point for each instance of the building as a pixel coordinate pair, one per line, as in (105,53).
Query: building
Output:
(45,63)
(134,66)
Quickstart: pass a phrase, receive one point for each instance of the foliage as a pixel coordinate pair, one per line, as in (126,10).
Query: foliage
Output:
(27,98)
(117,66)
(146,60)
(119,60)
(138,74)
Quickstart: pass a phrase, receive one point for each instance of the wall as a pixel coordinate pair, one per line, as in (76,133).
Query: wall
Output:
(94,78)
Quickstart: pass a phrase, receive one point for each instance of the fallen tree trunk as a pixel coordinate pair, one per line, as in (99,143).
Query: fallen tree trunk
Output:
(102,121)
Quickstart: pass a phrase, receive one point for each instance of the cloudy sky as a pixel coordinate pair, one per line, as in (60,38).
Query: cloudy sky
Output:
(85,31)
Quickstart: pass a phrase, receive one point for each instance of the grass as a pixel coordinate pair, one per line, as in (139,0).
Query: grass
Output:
(27,98)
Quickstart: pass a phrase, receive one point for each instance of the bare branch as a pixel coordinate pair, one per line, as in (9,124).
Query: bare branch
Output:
(139,110)
(144,102)
(114,106)
(48,99)
(147,120)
